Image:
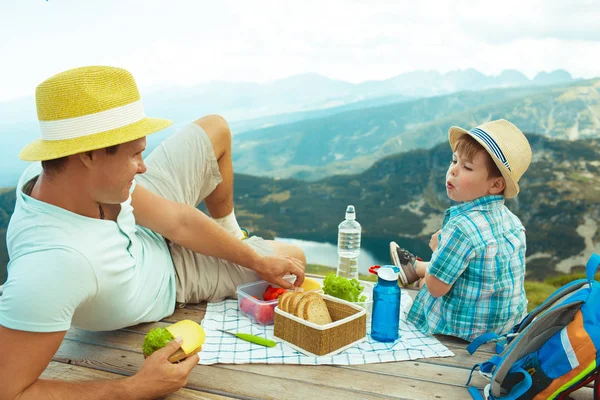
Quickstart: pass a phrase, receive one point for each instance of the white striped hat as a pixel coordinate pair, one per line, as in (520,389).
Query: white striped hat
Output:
(507,146)
(88,108)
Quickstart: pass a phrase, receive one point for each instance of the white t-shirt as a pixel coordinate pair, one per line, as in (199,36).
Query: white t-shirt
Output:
(66,269)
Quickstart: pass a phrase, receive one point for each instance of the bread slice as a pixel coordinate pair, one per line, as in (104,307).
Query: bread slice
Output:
(294,300)
(300,307)
(286,302)
(315,310)
(281,302)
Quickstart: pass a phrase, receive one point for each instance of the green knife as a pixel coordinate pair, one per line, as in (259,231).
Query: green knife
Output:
(252,338)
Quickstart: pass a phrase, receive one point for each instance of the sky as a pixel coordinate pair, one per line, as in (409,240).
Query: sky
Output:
(189,42)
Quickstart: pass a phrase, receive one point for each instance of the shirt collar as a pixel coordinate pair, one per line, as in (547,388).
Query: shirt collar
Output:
(484,203)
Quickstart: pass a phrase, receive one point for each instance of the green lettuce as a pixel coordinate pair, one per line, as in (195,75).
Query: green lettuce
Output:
(343,288)
(156,339)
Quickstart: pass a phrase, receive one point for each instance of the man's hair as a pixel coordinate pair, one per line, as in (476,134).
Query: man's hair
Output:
(58,164)
(469,148)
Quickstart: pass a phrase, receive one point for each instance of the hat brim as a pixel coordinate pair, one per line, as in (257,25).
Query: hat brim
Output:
(41,150)
(512,187)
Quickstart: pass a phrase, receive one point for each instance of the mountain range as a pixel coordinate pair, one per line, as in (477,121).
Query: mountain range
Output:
(402,197)
(249,106)
(350,141)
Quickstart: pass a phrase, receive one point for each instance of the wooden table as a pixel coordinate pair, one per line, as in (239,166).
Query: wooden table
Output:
(86,355)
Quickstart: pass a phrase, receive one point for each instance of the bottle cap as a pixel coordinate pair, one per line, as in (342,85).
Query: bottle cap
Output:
(387,274)
(350,213)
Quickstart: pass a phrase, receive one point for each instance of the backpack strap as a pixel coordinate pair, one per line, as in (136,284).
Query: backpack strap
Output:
(591,267)
(520,388)
(474,392)
(480,341)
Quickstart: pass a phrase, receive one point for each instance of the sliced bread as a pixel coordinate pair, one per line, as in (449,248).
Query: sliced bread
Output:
(281,301)
(294,300)
(315,310)
(300,307)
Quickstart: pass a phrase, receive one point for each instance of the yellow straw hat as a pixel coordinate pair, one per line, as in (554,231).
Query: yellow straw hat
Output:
(88,108)
(507,146)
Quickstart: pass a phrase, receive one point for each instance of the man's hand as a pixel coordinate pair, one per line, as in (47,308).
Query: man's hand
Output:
(158,377)
(273,268)
(434,241)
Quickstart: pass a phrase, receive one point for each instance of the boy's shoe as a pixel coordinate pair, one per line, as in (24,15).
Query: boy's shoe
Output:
(405,260)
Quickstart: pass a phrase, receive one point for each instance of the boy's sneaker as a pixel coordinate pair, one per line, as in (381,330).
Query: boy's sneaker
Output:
(404,260)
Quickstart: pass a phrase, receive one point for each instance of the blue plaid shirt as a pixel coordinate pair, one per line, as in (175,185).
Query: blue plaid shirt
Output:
(482,255)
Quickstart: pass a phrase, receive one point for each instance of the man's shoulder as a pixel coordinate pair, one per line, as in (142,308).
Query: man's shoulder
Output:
(62,257)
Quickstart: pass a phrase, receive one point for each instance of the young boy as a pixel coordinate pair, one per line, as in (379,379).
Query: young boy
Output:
(474,281)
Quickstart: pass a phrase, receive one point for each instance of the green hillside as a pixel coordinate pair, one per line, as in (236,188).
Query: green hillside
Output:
(350,142)
(402,198)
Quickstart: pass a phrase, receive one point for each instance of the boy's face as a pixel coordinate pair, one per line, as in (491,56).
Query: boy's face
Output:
(467,180)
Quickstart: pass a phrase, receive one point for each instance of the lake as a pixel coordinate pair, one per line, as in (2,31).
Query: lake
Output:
(326,254)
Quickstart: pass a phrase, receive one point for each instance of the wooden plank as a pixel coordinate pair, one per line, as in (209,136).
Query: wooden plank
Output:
(431,373)
(131,339)
(69,372)
(210,379)
(360,380)
(448,370)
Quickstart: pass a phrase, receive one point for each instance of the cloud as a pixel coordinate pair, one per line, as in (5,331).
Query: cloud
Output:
(188,42)
(506,21)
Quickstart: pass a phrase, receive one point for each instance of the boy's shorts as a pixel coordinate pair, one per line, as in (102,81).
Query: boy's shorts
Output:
(183,168)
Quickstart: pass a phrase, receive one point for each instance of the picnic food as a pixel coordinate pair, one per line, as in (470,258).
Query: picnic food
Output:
(192,334)
(310,307)
(343,288)
(272,293)
(247,305)
(310,284)
(264,313)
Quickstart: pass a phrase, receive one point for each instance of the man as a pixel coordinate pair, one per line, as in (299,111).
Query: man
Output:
(95,244)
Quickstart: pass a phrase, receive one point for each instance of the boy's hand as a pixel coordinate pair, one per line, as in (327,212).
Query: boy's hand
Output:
(434,241)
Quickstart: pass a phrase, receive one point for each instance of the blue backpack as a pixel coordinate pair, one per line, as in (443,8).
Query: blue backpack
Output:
(554,350)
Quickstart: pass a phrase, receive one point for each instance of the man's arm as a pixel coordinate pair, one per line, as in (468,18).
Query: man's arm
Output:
(192,229)
(25,355)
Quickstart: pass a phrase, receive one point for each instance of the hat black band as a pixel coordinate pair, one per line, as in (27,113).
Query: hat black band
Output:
(493,146)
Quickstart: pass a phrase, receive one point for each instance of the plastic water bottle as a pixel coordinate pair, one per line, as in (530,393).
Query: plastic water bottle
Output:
(348,245)
(386,306)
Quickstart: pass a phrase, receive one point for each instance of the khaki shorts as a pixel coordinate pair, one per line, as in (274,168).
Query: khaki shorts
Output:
(183,168)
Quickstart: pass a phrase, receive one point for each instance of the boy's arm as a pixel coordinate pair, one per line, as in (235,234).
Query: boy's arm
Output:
(194,230)
(436,287)
(448,262)
(25,355)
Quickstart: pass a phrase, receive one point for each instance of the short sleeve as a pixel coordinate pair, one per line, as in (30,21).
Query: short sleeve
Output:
(452,256)
(44,289)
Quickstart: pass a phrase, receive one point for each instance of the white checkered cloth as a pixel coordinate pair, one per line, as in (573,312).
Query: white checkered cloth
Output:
(226,349)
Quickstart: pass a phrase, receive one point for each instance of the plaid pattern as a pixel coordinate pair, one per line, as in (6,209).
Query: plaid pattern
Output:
(222,348)
(482,255)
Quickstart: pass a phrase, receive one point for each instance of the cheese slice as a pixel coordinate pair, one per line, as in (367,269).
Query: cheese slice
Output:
(310,284)
(193,335)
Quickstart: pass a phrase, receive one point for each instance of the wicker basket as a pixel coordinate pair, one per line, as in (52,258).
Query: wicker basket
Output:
(349,327)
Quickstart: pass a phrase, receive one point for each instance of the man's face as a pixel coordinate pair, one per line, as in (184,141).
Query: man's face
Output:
(467,180)
(113,174)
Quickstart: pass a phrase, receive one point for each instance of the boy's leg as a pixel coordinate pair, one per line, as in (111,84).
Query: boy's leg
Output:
(407,263)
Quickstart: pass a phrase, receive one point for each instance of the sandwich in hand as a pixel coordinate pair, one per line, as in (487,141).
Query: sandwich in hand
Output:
(192,334)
